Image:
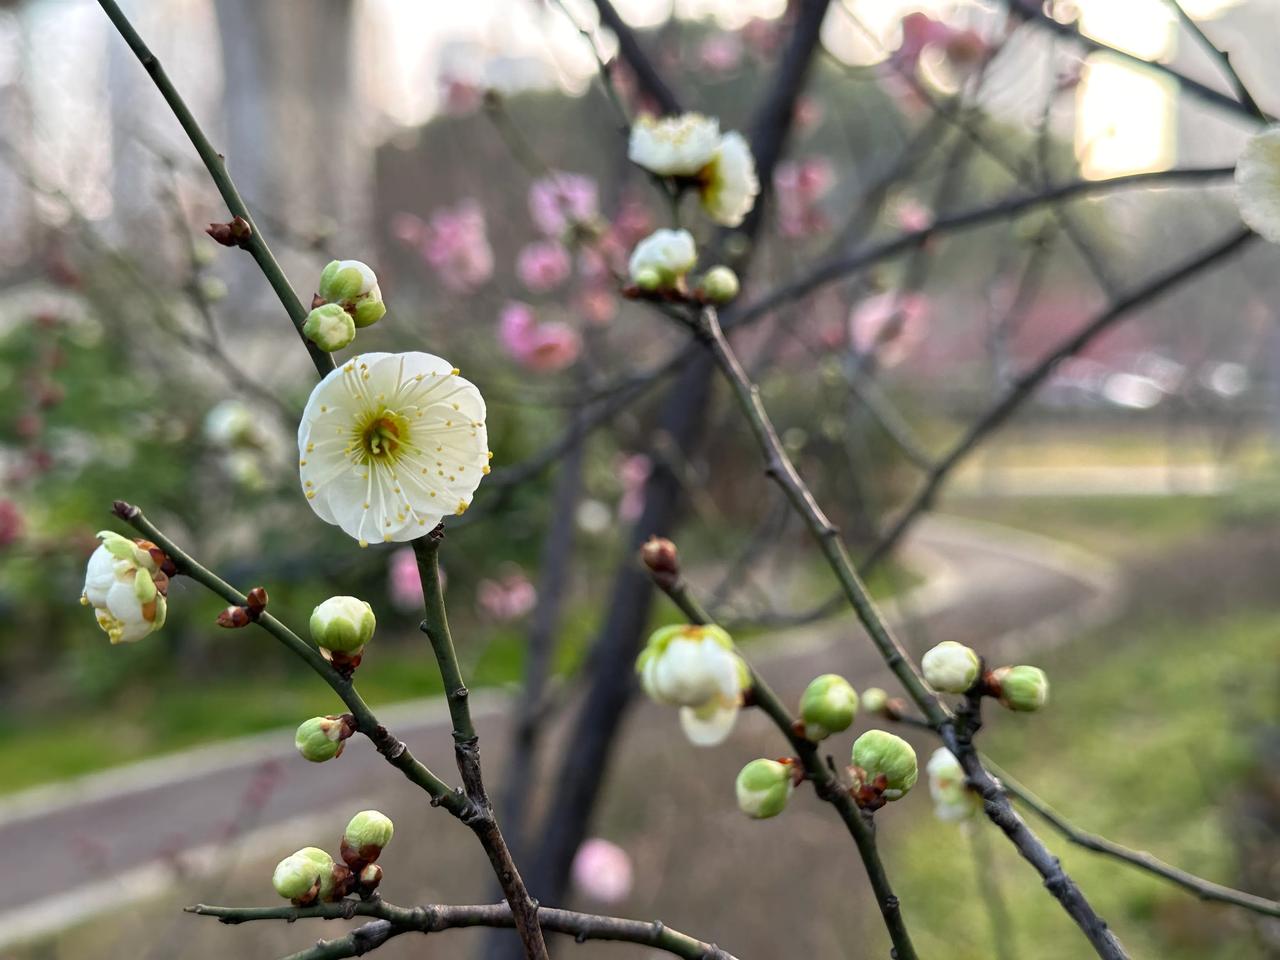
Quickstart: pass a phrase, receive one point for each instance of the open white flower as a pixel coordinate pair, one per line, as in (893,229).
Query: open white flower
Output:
(674,146)
(728,185)
(390,443)
(1258,183)
(126,588)
(695,668)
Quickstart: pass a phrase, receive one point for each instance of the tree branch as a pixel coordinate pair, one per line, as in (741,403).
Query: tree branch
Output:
(647,76)
(439,917)
(1224,61)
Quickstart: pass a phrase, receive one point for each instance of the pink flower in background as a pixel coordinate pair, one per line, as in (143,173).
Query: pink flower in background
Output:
(404,586)
(12,525)
(808,113)
(455,244)
(597,303)
(632,223)
(459,96)
(560,200)
(965,48)
(507,598)
(632,471)
(720,52)
(543,265)
(542,347)
(762,36)
(889,326)
(800,185)
(602,871)
(912,215)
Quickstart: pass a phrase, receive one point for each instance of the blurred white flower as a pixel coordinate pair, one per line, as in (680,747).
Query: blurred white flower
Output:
(729,184)
(231,423)
(661,259)
(390,443)
(674,146)
(1258,183)
(126,588)
(949,788)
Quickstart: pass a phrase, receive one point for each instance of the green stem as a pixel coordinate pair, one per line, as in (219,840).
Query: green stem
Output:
(214,162)
(396,753)
(436,627)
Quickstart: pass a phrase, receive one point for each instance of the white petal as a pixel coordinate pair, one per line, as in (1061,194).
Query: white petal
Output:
(1258,183)
(709,725)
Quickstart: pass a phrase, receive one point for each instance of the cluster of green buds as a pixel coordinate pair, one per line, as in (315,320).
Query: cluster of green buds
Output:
(312,876)
(348,298)
(827,706)
(884,768)
(341,627)
(952,667)
(323,738)
(126,584)
(764,787)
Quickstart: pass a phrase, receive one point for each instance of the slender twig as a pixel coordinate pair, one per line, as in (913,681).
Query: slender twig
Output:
(1033,12)
(214,162)
(825,782)
(438,917)
(648,78)
(1223,58)
(1027,383)
(467,749)
(357,943)
(1204,889)
(780,468)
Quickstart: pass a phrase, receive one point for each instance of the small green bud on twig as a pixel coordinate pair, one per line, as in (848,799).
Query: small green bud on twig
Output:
(884,768)
(950,667)
(236,233)
(763,787)
(367,833)
(323,738)
(1020,688)
(827,706)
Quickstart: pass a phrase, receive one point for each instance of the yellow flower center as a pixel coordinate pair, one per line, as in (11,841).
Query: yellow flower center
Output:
(380,438)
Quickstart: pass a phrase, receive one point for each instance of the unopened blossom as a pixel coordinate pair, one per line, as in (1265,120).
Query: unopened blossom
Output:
(660,260)
(562,200)
(884,762)
(889,326)
(509,597)
(1258,183)
(390,443)
(126,588)
(763,788)
(696,669)
(602,871)
(543,265)
(729,185)
(950,667)
(306,876)
(455,244)
(679,146)
(799,186)
(353,285)
(949,787)
(545,347)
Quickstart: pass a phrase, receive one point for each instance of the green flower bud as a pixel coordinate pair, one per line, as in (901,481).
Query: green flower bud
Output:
(322,738)
(719,285)
(367,833)
(1021,688)
(878,753)
(343,625)
(304,877)
(352,285)
(828,706)
(763,788)
(950,667)
(648,279)
(329,327)
(874,699)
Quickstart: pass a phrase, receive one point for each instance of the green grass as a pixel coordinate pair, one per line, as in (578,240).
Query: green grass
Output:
(1148,740)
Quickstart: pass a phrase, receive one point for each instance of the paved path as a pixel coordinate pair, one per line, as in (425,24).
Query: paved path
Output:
(104,839)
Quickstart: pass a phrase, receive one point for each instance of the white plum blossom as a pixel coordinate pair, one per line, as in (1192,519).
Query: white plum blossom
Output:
(661,259)
(696,669)
(729,185)
(125,586)
(390,443)
(949,788)
(674,146)
(1258,183)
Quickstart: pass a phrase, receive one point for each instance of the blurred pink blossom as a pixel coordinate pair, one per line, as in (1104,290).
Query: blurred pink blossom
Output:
(560,200)
(799,185)
(507,598)
(762,36)
(602,870)
(12,524)
(720,52)
(632,223)
(912,215)
(808,113)
(543,265)
(453,242)
(597,303)
(404,586)
(889,326)
(543,347)
(632,471)
(459,96)
(964,48)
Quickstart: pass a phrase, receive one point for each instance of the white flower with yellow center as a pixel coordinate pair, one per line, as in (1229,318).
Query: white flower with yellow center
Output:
(674,146)
(390,443)
(728,185)
(1258,183)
